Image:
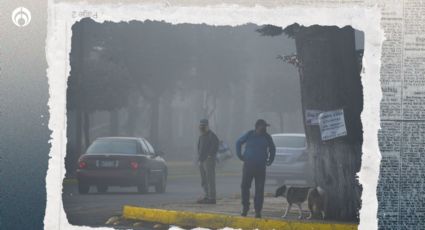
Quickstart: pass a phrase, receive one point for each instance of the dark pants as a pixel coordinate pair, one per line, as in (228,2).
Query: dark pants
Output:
(258,173)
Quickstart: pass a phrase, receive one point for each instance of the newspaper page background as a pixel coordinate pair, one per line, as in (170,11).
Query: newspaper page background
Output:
(401,203)
(401,138)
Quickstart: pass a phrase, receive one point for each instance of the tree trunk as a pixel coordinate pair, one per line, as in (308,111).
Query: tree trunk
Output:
(281,121)
(74,149)
(205,105)
(166,121)
(155,121)
(113,123)
(79,132)
(80,49)
(131,125)
(133,112)
(330,80)
(86,129)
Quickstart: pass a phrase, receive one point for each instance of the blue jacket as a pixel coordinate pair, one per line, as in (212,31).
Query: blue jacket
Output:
(259,148)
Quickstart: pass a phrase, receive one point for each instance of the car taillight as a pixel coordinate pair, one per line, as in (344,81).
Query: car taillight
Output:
(134,165)
(82,164)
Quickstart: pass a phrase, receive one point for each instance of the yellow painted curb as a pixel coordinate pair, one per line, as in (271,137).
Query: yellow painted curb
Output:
(216,221)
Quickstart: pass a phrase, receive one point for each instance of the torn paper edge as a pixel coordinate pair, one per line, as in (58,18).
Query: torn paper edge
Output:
(58,46)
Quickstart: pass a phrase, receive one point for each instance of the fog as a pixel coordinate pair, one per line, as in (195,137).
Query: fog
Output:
(157,80)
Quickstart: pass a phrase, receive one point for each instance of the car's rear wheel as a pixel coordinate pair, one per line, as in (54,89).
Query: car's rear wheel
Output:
(161,185)
(83,188)
(143,188)
(102,188)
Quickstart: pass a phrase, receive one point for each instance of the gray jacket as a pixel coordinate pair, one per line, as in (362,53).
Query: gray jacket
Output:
(207,145)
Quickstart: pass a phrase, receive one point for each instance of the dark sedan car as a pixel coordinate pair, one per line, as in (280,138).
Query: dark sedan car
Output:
(121,161)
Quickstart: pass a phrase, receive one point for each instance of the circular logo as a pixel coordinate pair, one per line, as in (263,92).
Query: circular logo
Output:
(21,17)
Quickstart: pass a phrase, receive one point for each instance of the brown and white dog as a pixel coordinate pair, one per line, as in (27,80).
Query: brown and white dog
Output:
(315,196)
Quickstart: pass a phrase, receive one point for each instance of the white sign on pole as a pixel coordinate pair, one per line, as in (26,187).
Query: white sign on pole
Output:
(332,124)
(312,116)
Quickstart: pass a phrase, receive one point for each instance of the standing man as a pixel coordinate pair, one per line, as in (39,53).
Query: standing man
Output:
(207,152)
(259,152)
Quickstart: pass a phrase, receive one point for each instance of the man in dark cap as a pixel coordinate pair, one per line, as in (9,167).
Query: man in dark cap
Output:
(207,152)
(259,152)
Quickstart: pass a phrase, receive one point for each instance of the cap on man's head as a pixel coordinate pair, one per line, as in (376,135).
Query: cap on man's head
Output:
(261,122)
(204,122)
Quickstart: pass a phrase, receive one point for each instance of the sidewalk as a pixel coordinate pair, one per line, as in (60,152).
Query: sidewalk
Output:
(273,207)
(226,213)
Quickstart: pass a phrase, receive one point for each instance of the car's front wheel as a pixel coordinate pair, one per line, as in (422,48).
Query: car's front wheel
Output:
(83,188)
(161,185)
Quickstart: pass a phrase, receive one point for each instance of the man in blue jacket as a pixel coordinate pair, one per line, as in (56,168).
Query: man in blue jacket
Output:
(259,152)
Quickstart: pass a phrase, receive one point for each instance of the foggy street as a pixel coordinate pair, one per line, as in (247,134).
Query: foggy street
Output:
(94,209)
(146,100)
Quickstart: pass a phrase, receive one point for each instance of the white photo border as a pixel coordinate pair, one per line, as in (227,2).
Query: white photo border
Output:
(61,17)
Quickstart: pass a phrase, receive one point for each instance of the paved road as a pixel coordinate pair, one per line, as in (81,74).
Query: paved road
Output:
(94,209)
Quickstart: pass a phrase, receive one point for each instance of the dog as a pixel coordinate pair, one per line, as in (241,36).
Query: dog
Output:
(316,202)
(298,195)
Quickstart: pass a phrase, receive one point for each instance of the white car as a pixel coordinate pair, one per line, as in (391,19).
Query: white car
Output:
(291,164)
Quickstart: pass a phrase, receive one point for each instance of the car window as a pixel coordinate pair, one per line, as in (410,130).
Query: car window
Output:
(149,147)
(151,150)
(289,141)
(144,147)
(113,146)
